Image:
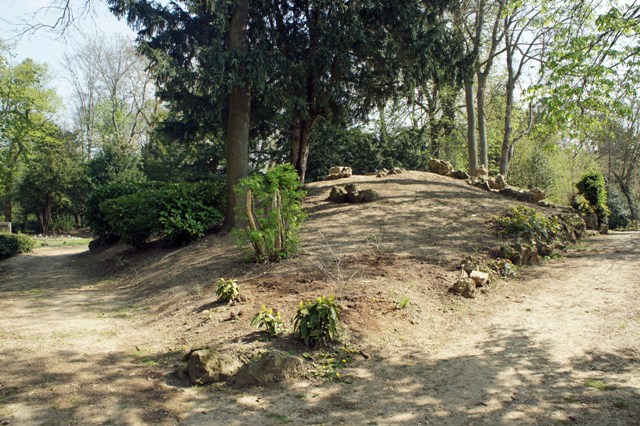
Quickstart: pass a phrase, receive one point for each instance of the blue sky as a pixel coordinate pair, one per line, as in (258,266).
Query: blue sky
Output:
(49,47)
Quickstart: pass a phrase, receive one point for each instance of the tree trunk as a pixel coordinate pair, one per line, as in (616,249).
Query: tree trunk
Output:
(627,194)
(471,128)
(239,115)
(482,122)
(507,146)
(8,202)
(300,139)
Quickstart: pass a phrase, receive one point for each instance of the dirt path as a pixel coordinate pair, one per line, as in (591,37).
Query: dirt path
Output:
(560,346)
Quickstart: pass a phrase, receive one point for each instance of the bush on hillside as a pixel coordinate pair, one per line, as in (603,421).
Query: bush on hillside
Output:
(528,224)
(271,213)
(178,212)
(593,188)
(12,244)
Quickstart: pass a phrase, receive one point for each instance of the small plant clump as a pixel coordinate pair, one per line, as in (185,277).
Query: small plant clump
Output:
(403,303)
(268,320)
(528,224)
(227,290)
(317,322)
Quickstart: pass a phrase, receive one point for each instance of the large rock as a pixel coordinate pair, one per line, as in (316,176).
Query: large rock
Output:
(499,182)
(209,366)
(465,287)
(480,278)
(338,194)
(536,195)
(440,167)
(459,174)
(339,172)
(350,193)
(275,366)
(591,221)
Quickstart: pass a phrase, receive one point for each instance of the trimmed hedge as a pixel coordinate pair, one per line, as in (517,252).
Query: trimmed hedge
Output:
(12,244)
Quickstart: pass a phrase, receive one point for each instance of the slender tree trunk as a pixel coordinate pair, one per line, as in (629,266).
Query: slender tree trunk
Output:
(471,128)
(8,202)
(300,140)
(627,194)
(482,122)
(239,115)
(507,147)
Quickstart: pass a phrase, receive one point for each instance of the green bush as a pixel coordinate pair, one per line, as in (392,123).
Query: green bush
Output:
(12,244)
(186,211)
(316,322)
(271,213)
(593,188)
(528,223)
(132,218)
(178,212)
(95,217)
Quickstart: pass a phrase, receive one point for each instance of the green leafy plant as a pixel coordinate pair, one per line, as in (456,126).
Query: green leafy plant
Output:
(528,223)
(269,320)
(271,213)
(592,186)
(227,290)
(316,322)
(12,244)
(403,303)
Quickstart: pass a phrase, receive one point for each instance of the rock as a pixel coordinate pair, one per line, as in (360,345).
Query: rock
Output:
(536,195)
(480,278)
(440,167)
(208,366)
(482,171)
(350,193)
(275,366)
(459,174)
(382,173)
(545,249)
(591,221)
(465,287)
(339,172)
(480,183)
(499,182)
(604,229)
(368,195)
(396,171)
(338,194)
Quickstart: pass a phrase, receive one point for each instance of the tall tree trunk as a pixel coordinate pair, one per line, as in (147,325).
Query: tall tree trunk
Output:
(239,115)
(482,122)
(507,147)
(8,202)
(471,128)
(300,140)
(627,194)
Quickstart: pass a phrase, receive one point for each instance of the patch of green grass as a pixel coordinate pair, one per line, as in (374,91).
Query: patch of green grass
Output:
(280,417)
(127,311)
(59,242)
(598,384)
(403,303)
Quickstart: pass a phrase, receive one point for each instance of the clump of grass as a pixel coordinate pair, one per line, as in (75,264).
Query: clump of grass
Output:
(598,384)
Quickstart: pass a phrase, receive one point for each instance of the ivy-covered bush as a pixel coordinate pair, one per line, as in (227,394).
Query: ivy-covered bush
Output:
(592,186)
(178,212)
(12,244)
(270,212)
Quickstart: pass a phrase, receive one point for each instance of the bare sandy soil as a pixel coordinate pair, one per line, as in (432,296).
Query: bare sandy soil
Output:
(91,338)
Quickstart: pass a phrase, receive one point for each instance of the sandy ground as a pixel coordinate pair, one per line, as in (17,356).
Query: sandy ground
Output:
(83,344)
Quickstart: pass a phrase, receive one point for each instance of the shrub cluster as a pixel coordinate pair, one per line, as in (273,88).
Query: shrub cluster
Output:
(12,244)
(594,190)
(528,224)
(271,213)
(133,213)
